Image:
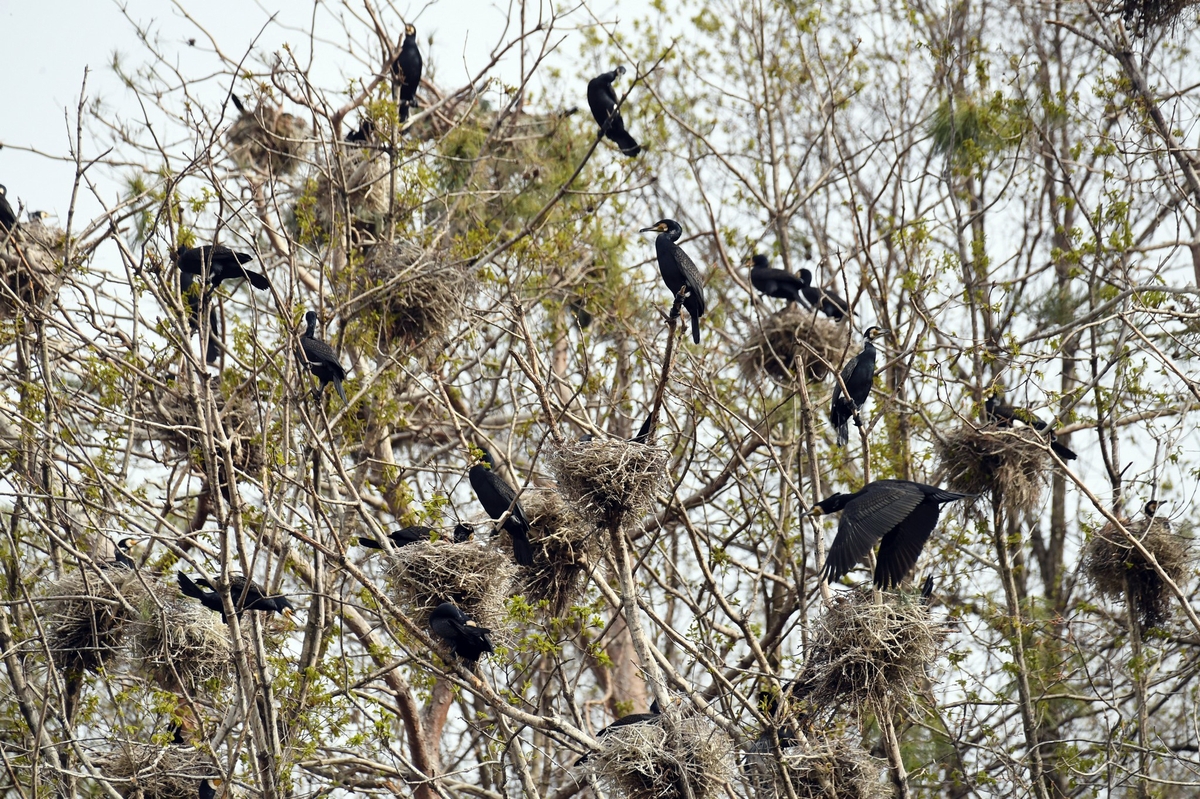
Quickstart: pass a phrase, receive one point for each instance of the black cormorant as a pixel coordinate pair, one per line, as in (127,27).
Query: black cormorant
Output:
(773,282)
(245,594)
(362,135)
(995,409)
(678,271)
(602,99)
(39,217)
(496,497)
(322,361)
(824,300)
(463,533)
(208,788)
(193,296)
(632,718)
(121,552)
(223,264)
(858,375)
(401,538)
(466,638)
(8,217)
(900,512)
(406,73)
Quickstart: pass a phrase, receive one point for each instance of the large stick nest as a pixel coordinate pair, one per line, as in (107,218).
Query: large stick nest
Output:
(1110,559)
(182,644)
(171,418)
(268,140)
(794,340)
(817,768)
(1008,462)
(476,578)
(652,760)
(1143,15)
(31,266)
(870,655)
(610,483)
(565,547)
(88,618)
(147,771)
(418,293)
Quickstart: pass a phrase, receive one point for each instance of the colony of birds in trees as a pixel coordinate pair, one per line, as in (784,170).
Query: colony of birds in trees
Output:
(461,582)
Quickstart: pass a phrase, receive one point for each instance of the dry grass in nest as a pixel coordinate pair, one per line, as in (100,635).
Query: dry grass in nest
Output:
(565,547)
(610,483)
(417,293)
(871,655)
(1143,15)
(791,340)
(268,140)
(359,184)
(651,761)
(1109,559)
(476,578)
(170,417)
(148,771)
(87,618)
(1008,462)
(30,267)
(817,768)
(182,644)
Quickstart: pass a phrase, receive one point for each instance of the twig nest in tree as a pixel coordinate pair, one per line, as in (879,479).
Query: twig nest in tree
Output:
(477,578)
(1143,15)
(415,294)
(31,267)
(171,417)
(609,483)
(88,617)
(794,340)
(352,189)
(652,760)
(147,771)
(268,140)
(1111,563)
(870,655)
(817,767)
(1008,462)
(565,547)
(181,644)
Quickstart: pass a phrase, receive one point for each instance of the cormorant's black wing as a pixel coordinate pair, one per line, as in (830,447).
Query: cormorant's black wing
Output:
(900,548)
(866,519)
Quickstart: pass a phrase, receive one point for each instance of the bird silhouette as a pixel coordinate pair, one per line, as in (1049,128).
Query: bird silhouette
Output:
(678,271)
(602,99)
(497,497)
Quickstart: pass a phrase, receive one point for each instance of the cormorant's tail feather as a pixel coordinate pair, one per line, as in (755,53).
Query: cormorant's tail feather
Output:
(695,328)
(522,549)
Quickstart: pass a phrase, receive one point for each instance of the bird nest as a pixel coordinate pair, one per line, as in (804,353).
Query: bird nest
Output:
(565,548)
(355,188)
(31,259)
(817,768)
(1113,565)
(476,578)
(183,645)
(871,655)
(609,482)
(268,140)
(1009,463)
(652,760)
(1143,15)
(793,340)
(146,771)
(170,417)
(417,293)
(88,617)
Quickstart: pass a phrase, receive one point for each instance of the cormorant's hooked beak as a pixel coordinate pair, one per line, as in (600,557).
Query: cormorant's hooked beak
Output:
(659,228)
(815,510)
(288,613)
(409,30)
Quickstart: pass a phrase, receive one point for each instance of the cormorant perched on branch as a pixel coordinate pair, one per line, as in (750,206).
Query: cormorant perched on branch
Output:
(322,361)
(900,512)
(824,300)
(8,217)
(678,271)
(466,638)
(121,552)
(363,134)
(497,497)
(858,376)
(406,73)
(245,594)
(602,99)
(995,409)
(401,538)
(772,282)
(223,264)
(193,296)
